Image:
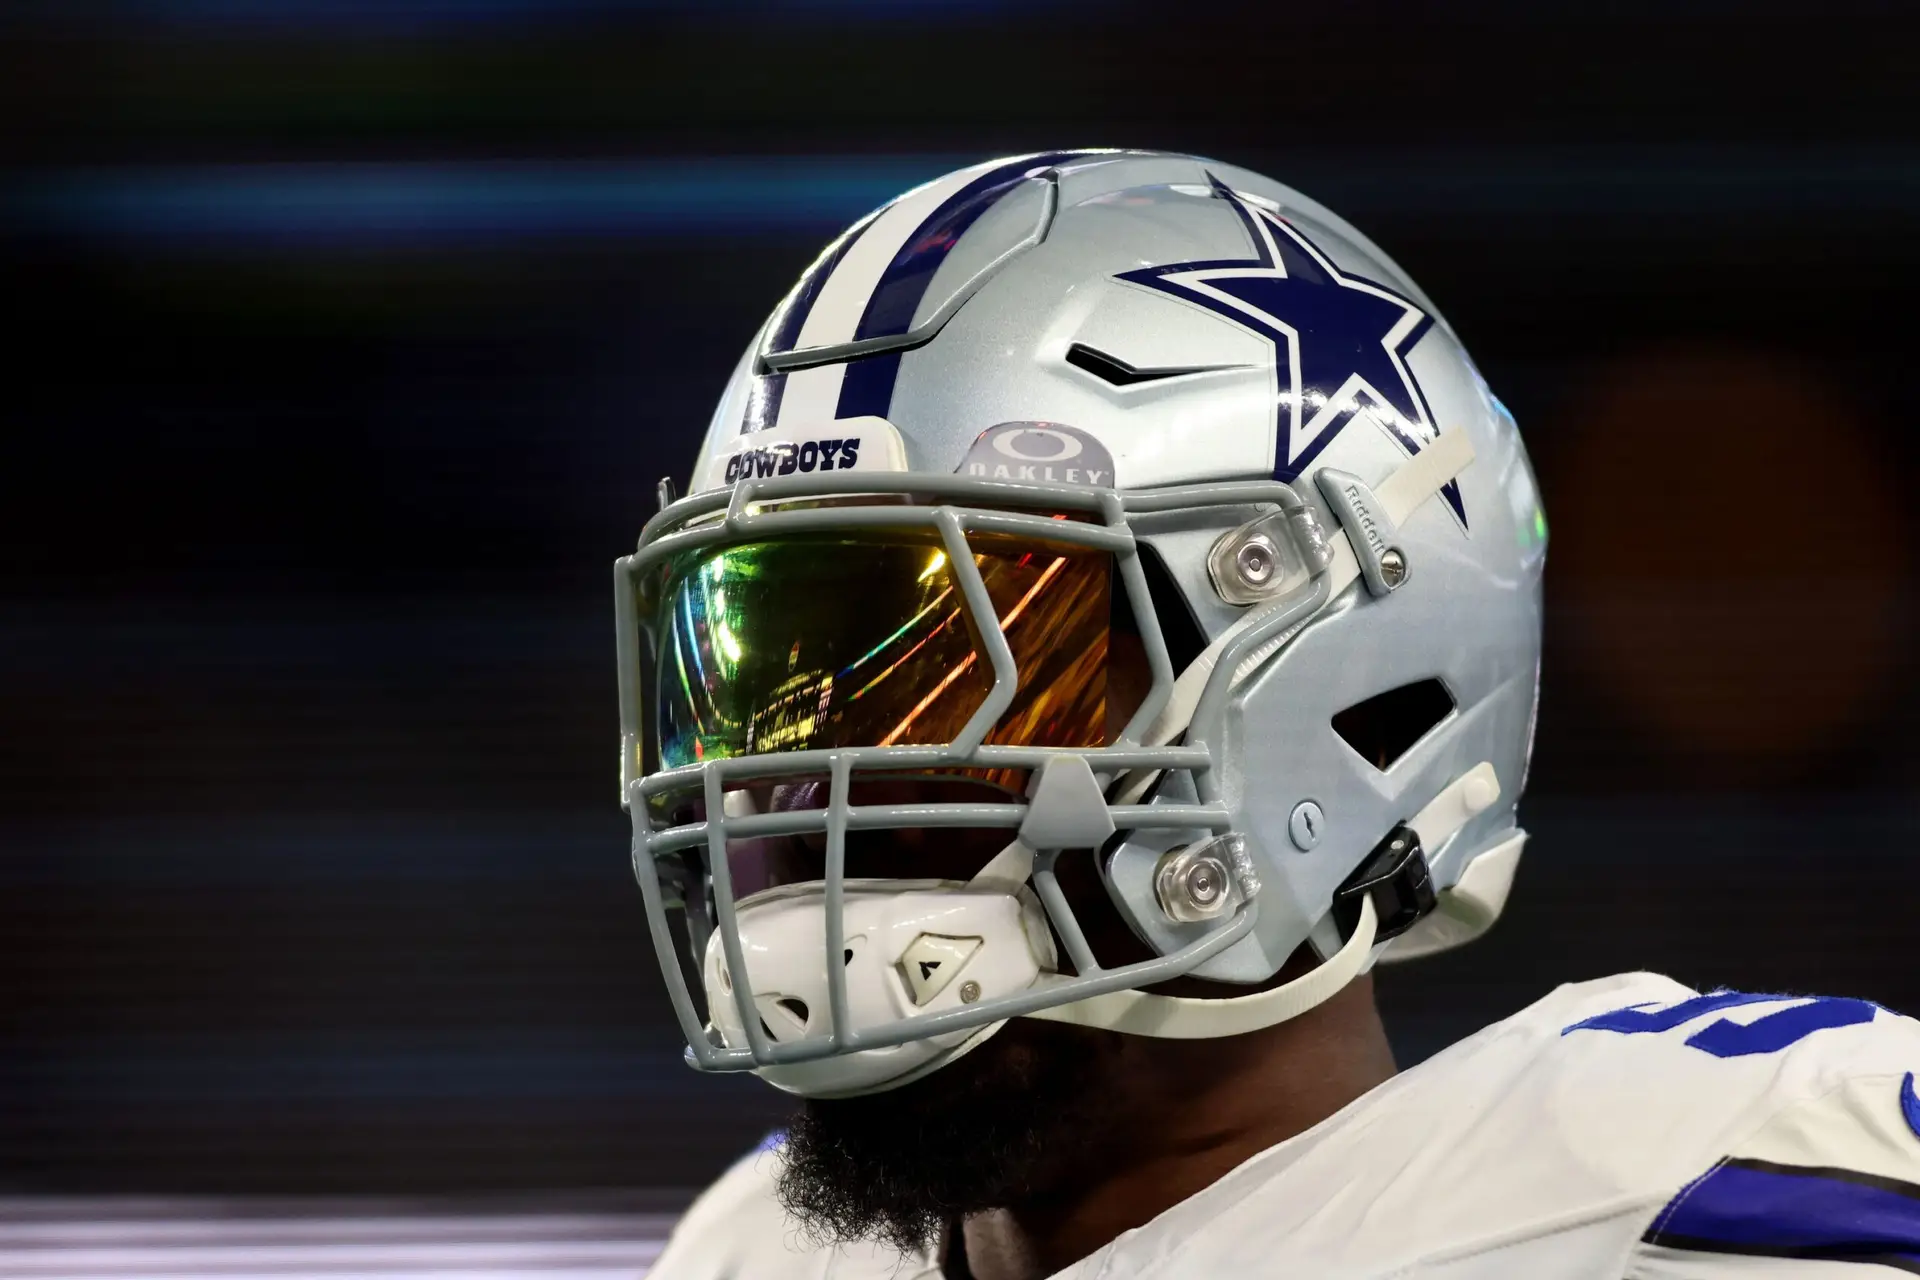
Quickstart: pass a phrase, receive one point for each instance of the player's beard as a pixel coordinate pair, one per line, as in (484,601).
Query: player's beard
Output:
(1008,1124)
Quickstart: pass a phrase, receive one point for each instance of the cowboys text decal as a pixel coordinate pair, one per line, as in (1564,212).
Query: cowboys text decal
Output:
(790,457)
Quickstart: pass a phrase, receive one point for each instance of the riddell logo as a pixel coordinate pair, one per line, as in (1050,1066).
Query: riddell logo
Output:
(1039,451)
(1368,526)
(787,458)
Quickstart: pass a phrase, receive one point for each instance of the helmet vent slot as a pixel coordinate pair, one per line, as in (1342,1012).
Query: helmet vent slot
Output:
(1117,372)
(1386,726)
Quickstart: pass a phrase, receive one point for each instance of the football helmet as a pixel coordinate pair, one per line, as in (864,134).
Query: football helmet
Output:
(1112,506)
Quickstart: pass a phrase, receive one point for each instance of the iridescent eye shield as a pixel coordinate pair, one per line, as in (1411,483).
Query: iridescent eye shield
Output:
(863,638)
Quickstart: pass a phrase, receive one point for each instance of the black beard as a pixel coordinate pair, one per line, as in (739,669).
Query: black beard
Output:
(1007,1124)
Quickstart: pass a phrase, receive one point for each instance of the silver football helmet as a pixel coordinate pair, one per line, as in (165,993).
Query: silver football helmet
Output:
(1115,506)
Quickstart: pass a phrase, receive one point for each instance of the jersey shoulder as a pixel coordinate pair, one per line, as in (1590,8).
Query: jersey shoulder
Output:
(1646,1080)
(738,1228)
(1809,1164)
(1762,1133)
(1556,1141)
(1721,1070)
(728,1229)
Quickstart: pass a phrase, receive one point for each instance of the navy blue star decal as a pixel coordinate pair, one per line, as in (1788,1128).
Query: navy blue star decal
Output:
(1340,342)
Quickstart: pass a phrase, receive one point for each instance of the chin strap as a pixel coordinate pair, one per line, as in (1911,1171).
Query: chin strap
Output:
(1138,1013)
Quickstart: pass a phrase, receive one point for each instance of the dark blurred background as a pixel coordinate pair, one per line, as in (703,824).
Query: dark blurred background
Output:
(350,338)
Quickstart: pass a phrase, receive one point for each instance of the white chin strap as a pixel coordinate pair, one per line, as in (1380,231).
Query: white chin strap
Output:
(1139,1013)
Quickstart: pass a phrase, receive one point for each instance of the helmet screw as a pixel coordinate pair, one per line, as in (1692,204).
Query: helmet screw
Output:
(1393,567)
(969,991)
(1204,882)
(1193,886)
(1254,561)
(1305,825)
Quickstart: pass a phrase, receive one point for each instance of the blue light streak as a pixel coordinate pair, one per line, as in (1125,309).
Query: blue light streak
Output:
(446,204)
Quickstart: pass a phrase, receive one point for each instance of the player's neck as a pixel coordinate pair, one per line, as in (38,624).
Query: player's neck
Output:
(1202,1109)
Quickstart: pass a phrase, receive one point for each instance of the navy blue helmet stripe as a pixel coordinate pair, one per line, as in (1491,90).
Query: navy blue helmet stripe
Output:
(763,398)
(1760,1208)
(868,388)
(903,284)
(786,326)
(763,403)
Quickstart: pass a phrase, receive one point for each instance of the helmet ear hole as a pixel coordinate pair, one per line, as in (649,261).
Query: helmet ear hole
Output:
(1386,726)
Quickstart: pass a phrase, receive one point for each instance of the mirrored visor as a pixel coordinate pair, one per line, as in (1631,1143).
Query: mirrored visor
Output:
(865,639)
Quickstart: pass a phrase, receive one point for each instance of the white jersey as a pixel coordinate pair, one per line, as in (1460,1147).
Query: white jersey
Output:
(1624,1129)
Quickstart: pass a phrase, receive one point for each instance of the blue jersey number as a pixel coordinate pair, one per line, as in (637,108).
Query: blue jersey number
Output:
(1724,1038)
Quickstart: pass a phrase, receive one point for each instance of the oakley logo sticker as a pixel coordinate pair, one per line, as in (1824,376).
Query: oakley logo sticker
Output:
(1037,444)
(1046,452)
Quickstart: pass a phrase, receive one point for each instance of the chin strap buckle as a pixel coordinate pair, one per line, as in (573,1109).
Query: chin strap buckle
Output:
(1397,878)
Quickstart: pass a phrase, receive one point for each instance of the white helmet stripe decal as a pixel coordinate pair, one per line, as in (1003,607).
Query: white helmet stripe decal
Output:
(874,286)
(837,309)
(811,397)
